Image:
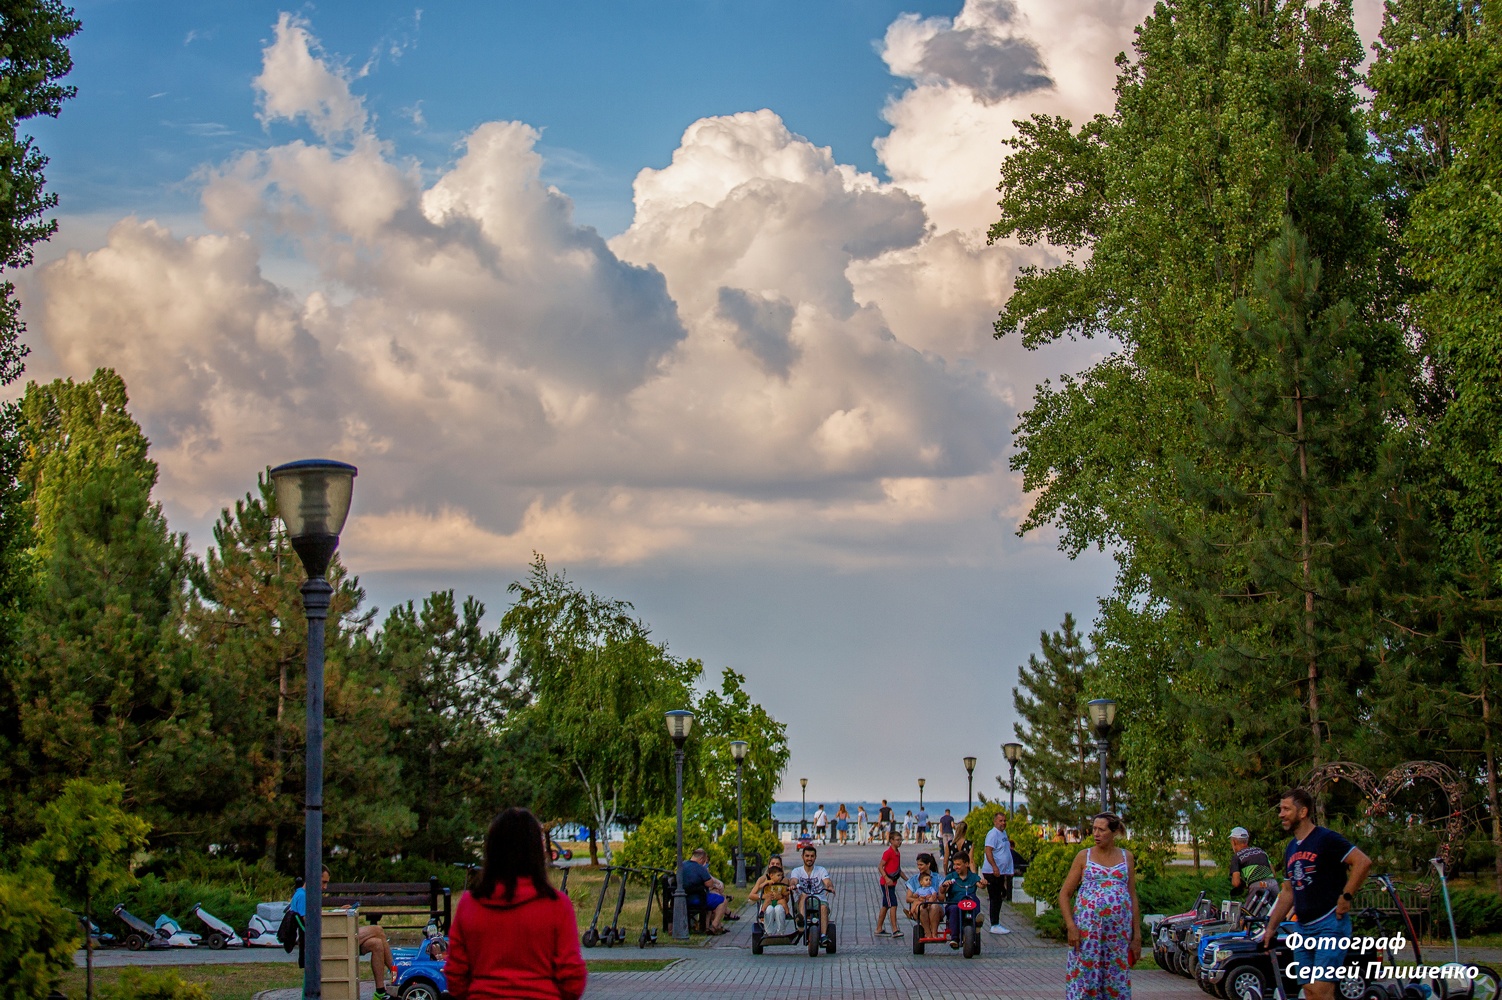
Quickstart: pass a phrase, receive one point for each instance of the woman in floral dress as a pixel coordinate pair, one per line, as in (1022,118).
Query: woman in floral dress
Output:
(1103,921)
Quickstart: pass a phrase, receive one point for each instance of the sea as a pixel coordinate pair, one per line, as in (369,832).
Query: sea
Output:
(792,812)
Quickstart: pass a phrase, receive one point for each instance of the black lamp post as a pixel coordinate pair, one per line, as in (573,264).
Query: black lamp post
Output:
(680,721)
(969,784)
(1102,715)
(738,750)
(1013,752)
(921,783)
(312,499)
(803,825)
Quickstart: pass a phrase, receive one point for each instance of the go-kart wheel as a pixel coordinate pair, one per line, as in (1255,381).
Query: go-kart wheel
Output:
(829,945)
(134,941)
(917,940)
(813,939)
(1487,984)
(756,946)
(969,944)
(1246,982)
(215,940)
(591,937)
(419,989)
(1352,988)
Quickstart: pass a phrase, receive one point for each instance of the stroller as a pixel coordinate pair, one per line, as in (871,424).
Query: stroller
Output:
(220,933)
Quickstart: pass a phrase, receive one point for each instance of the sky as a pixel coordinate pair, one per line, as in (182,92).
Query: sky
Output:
(693,297)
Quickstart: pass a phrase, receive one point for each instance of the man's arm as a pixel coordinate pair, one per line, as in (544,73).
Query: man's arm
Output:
(991,856)
(1357,864)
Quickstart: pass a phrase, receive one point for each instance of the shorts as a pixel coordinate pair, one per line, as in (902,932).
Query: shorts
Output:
(889,896)
(713,900)
(1322,962)
(842,825)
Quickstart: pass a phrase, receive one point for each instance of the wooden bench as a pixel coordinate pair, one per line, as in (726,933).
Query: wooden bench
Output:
(427,901)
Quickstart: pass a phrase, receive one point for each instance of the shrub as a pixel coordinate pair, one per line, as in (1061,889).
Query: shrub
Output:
(1051,925)
(654,844)
(37,936)
(757,839)
(151,896)
(1170,894)
(152,984)
(1047,871)
(1025,837)
(1476,912)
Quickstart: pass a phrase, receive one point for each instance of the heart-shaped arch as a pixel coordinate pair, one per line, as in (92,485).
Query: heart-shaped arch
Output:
(1379,793)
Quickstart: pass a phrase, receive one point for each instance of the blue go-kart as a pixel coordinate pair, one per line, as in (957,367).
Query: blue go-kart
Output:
(419,971)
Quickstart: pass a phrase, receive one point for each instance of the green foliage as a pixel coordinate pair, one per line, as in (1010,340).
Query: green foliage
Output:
(87,841)
(654,844)
(730,714)
(1476,912)
(758,838)
(1047,871)
(37,937)
(153,984)
(150,896)
(1050,925)
(1025,836)
(1176,893)
(1057,768)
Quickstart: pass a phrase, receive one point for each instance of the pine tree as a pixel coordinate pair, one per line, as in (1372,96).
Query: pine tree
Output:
(1057,769)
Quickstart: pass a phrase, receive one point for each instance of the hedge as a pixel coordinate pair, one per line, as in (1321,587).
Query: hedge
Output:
(37,936)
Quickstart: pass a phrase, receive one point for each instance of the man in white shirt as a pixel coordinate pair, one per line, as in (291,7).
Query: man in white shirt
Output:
(812,881)
(821,825)
(997,869)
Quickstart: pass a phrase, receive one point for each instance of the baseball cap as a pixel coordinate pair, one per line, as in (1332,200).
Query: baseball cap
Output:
(1239,833)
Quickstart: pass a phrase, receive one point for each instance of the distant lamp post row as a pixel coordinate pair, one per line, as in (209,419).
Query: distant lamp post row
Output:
(1102,716)
(679,722)
(921,783)
(312,499)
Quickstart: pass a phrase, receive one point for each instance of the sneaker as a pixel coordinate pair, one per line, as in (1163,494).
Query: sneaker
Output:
(954,944)
(998,929)
(382,995)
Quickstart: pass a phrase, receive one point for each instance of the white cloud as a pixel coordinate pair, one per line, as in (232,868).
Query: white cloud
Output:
(295,82)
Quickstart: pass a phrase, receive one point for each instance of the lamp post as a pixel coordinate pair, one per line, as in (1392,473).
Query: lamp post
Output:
(1013,753)
(803,826)
(680,721)
(312,499)
(921,783)
(738,750)
(1102,714)
(969,784)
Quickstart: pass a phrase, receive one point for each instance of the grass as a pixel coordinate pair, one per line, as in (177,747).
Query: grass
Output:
(584,891)
(224,982)
(629,964)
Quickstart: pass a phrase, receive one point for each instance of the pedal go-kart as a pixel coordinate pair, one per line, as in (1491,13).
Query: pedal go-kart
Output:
(969,930)
(419,971)
(220,935)
(807,929)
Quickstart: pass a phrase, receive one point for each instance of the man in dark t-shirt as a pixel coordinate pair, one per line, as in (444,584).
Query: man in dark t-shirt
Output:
(1323,873)
(1251,868)
(697,879)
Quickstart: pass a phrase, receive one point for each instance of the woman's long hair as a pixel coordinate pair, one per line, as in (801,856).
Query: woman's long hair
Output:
(513,850)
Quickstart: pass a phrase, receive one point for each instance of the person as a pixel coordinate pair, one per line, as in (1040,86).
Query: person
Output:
(962,883)
(770,893)
(888,874)
(883,822)
(513,934)
(842,825)
(946,833)
(1251,869)
(920,820)
(697,880)
(821,824)
(1323,872)
(997,870)
(1104,921)
(812,881)
(960,846)
(371,940)
(907,825)
(860,824)
(924,905)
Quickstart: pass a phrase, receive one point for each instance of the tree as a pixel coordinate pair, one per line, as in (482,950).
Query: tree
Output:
(452,696)
(597,686)
(37,937)
(730,714)
(87,842)
(1050,697)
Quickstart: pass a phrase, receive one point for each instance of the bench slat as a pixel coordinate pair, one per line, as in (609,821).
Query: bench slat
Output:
(410,888)
(366,902)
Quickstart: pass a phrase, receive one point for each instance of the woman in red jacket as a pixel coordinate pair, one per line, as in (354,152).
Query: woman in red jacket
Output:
(514,935)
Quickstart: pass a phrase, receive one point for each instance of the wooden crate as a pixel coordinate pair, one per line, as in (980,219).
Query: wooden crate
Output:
(341,955)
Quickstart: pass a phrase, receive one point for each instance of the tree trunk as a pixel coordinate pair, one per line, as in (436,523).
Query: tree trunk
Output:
(1305,559)
(1194,844)
(594,847)
(88,946)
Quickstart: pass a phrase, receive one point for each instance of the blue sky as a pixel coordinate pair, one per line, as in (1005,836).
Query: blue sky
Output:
(761,401)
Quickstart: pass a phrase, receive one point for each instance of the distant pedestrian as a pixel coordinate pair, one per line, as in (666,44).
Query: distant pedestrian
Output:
(842,825)
(860,824)
(907,826)
(888,874)
(960,846)
(821,824)
(946,833)
(920,820)
(1104,921)
(997,870)
(883,823)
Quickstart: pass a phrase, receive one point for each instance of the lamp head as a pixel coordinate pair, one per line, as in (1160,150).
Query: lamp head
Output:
(1102,714)
(738,749)
(969,765)
(922,782)
(803,782)
(312,499)
(679,721)
(1013,751)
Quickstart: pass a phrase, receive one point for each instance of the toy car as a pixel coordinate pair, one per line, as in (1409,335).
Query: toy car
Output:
(264,924)
(419,971)
(220,934)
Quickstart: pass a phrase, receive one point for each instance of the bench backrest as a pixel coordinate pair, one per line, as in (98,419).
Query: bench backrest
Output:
(378,898)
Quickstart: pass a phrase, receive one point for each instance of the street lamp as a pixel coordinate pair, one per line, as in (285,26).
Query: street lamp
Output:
(680,721)
(738,750)
(1013,753)
(1102,714)
(921,783)
(803,827)
(312,499)
(969,784)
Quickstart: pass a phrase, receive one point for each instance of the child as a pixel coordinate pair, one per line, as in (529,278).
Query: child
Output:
(926,892)
(772,893)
